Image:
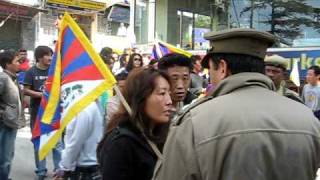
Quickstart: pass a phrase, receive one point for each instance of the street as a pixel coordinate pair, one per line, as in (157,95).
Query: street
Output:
(23,163)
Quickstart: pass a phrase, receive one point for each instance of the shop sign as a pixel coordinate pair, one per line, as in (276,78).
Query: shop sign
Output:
(78,4)
(305,57)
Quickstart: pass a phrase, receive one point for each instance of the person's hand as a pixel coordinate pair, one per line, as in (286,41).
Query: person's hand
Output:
(39,94)
(58,175)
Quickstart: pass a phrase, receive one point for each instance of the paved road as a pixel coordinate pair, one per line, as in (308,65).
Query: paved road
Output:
(23,164)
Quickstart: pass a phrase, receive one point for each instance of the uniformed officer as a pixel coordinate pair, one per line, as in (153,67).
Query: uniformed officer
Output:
(243,129)
(275,68)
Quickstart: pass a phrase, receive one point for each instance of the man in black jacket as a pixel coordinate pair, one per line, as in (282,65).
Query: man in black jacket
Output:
(198,83)
(178,67)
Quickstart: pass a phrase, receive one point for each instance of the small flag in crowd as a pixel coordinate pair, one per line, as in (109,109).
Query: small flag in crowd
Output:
(294,75)
(77,76)
(161,48)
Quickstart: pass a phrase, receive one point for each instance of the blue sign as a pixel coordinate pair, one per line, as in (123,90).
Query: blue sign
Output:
(198,34)
(306,57)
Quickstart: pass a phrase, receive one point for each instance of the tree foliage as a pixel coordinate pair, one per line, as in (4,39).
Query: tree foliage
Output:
(202,21)
(286,18)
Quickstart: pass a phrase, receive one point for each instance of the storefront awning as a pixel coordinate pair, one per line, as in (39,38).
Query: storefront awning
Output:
(17,11)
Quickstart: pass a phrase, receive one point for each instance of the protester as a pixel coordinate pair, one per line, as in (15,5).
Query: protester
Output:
(24,66)
(124,60)
(115,56)
(243,130)
(114,101)
(106,55)
(275,69)
(135,61)
(178,68)
(123,64)
(24,61)
(83,133)
(311,91)
(34,87)
(146,58)
(197,83)
(11,110)
(129,151)
(116,65)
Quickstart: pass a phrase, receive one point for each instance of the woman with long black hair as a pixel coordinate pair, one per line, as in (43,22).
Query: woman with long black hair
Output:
(130,148)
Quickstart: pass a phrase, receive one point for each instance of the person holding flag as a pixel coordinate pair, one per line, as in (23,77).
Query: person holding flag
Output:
(34,83)
(77,77)
(275,69)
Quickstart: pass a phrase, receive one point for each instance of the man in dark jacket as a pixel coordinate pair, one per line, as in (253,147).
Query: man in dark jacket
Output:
(243,129)
(197,83)
(178,67)
(11,110)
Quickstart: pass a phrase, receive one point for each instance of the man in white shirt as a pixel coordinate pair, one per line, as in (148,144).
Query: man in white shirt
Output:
(82,136)
(311,91)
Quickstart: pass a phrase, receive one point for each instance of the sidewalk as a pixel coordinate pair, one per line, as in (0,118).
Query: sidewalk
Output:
(23,163)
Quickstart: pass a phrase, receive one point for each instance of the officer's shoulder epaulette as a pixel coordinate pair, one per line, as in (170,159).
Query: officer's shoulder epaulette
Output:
(188,108)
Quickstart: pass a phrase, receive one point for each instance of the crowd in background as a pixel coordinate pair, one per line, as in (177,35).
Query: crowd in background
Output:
(239,121)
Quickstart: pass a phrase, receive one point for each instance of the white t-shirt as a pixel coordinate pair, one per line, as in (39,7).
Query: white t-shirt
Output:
(311,96)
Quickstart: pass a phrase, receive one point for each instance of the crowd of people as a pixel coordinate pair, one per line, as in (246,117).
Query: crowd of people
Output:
(171,121)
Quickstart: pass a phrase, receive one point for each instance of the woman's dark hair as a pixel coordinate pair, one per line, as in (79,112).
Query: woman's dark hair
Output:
(316,69)
(6,57)
(139,86)
(131,61)
(41,51)
(174,59)
(238,63)
(121,76)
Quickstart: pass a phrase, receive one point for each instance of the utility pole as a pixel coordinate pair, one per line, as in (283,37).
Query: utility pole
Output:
(251,13)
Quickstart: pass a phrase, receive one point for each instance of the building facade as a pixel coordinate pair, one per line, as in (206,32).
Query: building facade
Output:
(126,23)
(183,22)
(30,23)
(17,25)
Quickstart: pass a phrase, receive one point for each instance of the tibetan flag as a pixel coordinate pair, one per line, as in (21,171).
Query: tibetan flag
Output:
(77,76)
(294,75)
(161,48)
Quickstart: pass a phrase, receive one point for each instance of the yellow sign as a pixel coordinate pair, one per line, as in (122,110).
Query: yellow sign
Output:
(81,4)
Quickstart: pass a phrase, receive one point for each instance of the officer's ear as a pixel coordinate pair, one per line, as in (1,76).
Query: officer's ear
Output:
(223,68)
